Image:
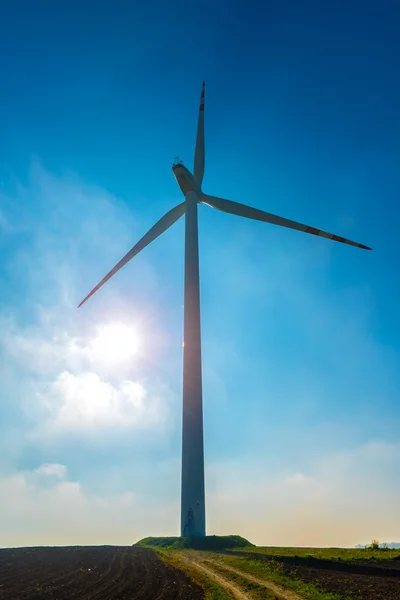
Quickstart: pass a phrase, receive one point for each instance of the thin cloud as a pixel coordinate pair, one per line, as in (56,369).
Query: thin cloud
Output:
(52,470)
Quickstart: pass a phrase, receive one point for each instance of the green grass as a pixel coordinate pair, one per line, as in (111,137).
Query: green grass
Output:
(265,570)
(209,542)
(273,571)
(172,549)
(348,554)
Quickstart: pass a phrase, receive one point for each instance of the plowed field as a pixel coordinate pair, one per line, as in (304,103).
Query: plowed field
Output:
(362,580)
(91,573)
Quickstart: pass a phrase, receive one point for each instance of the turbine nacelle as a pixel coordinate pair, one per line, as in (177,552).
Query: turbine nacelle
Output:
(185,179)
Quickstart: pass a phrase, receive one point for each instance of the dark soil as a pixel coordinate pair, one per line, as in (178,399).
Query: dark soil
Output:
(91,573)
(361,580)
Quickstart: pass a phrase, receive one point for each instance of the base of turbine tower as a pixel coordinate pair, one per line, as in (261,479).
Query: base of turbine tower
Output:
(206,542)
(189,523)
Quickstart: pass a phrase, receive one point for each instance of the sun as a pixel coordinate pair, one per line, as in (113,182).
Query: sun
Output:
(115,343)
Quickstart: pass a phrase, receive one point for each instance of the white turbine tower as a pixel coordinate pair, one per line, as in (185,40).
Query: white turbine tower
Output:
(192,498)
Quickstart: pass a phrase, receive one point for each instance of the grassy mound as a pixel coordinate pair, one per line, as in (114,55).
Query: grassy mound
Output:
(209,542)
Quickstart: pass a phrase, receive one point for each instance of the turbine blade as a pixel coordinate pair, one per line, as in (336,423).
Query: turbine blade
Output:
(199,154)
(164,223)
(242,210)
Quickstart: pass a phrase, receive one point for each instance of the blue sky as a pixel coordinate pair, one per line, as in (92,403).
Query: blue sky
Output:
(300,335)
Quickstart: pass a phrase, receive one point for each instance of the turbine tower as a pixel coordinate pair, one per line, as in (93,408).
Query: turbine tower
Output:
(192,490)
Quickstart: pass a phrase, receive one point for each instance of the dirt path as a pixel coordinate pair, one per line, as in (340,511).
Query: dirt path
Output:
(235,589)
(270,585)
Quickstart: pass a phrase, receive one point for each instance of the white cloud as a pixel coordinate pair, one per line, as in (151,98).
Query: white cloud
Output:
(52,470)
(85,401)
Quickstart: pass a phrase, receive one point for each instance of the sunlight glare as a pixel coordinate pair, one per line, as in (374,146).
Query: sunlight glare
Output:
(116,342)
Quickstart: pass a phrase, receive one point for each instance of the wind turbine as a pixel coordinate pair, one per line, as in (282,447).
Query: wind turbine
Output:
(192,490)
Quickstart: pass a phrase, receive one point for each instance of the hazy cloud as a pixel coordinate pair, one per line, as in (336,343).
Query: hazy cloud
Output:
(347,498)
(65,513)
(341,502)
(52,470)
